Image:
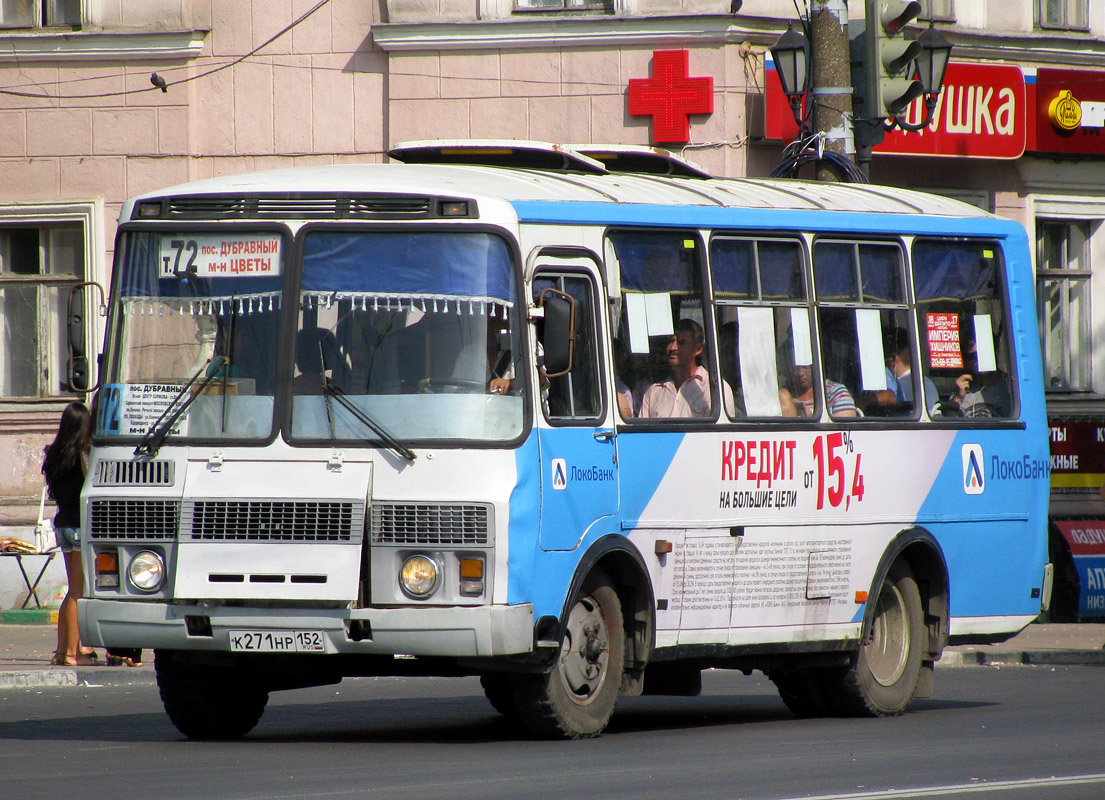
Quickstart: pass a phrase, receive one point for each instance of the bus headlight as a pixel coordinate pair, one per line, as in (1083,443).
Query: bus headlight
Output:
(418,577)
(146,570)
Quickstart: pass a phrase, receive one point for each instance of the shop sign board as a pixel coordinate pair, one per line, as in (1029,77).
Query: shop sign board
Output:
(1077,453)
(1070,111)
(982,112)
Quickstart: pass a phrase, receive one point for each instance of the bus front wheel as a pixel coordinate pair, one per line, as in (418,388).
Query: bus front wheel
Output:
(207,702)
(499,691)
(883,674)
(575,699)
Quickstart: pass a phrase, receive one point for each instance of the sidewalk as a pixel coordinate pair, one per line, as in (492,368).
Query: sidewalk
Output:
(25,651)
(1037,645)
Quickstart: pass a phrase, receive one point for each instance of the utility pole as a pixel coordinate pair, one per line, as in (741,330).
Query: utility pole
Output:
(831,79)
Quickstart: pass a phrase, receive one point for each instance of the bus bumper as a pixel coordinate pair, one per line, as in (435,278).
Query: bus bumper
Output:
(471,631)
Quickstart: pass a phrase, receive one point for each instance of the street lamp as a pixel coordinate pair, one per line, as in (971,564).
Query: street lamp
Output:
(932,63)
(933,60)
(791,56)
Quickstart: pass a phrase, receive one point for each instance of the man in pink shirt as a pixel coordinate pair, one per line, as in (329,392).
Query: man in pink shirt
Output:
(687,392)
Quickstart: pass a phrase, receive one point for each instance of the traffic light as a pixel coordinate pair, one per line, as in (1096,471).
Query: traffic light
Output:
(891,58)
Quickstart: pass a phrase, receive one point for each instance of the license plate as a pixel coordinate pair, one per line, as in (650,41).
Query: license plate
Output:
(277,642)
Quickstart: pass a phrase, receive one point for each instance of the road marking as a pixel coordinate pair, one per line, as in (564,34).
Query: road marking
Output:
(963,788)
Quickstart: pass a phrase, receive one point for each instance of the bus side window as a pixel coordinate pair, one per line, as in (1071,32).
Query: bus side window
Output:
(578,393)
(762,321)
(965,347)
(863,318)
(660,322)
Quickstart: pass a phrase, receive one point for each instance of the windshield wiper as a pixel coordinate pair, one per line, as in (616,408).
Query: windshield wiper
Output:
(330,390)
(156,434)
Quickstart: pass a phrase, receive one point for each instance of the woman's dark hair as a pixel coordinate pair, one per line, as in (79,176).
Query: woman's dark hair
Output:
(73,439)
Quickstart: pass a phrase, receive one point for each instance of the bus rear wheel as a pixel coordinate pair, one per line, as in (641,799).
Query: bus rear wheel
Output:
(883,674)
(576,698)
(207,702)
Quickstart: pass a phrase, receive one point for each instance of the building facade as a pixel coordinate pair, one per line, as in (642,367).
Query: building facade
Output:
(104,99)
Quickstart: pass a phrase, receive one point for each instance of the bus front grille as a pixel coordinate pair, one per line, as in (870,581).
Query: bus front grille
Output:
(134,519)
(110,472)
(272,521)
(430,524)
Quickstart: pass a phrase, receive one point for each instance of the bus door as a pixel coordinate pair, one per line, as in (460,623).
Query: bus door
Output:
(579,451)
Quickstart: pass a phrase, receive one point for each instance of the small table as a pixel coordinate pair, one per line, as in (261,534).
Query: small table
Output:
(32,586)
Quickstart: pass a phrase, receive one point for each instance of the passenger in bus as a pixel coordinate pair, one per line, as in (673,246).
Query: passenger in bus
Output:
(837,396)
(897,400)
(981,394)
(687,392)
(316,351)
(899,359)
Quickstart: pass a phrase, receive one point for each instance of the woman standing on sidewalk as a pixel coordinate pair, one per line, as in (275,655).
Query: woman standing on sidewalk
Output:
(65,466)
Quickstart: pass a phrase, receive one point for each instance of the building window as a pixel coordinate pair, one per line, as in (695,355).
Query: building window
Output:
(40,13)
(938,10)
(1063,299)
(38,267)
(1063,14)
(605,6)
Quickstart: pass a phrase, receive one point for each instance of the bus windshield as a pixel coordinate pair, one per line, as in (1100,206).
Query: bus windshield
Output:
(416,329)
(202,305)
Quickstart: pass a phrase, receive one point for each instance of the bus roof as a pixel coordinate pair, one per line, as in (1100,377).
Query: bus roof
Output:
(565,177)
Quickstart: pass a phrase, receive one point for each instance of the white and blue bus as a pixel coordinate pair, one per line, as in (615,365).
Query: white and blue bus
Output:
(581,424)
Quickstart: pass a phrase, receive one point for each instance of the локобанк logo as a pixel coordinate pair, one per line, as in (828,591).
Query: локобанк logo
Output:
(559,473)
(974,479)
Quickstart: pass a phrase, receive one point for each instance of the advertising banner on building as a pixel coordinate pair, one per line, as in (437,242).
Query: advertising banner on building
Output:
(1086,538)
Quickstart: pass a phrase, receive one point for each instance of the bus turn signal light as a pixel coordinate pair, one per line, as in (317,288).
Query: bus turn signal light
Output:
(471,576)
(861,597)
(107,570)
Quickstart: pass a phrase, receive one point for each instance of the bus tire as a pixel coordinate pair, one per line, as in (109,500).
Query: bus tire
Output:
(499,691)
(576,698)
(206,702)
(883,674)
(803,691)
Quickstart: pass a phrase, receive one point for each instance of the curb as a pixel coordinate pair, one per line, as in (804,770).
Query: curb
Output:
(29,616)
(973,658)
(94,677)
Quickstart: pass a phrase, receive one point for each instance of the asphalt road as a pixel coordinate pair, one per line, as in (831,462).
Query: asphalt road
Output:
(1006,732)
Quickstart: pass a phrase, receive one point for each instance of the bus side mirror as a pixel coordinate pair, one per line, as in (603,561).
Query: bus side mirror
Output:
(78,377)
(559,336)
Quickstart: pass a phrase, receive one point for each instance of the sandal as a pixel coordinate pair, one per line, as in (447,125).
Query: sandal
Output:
(79,660)
(122,661)
(91,653)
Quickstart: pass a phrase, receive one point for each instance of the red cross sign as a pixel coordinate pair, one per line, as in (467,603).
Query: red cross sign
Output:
(670,96)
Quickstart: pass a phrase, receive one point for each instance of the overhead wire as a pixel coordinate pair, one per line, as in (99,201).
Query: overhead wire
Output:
(159,83)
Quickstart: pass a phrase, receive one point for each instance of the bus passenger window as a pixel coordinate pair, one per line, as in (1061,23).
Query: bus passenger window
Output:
(576,394)
(659,320)
(960,313)
(864,323)
(762,322)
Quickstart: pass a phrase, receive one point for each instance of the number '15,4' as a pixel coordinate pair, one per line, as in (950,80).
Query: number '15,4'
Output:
(829,453)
